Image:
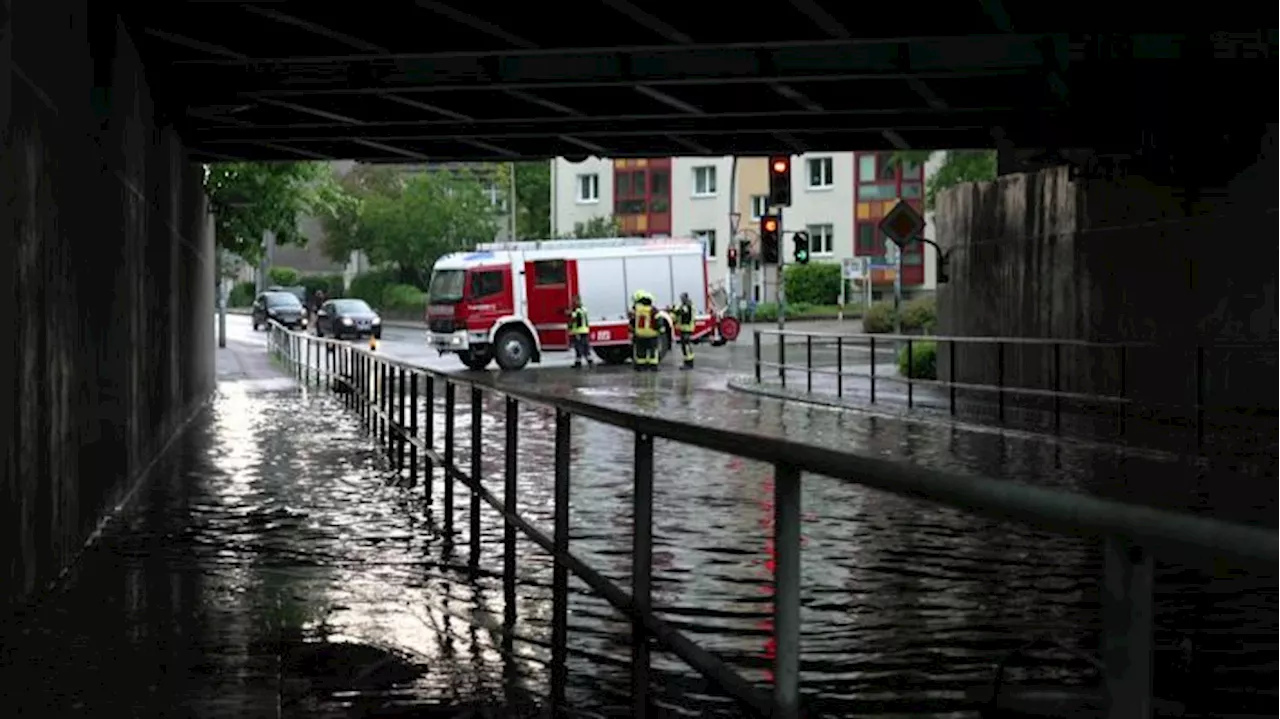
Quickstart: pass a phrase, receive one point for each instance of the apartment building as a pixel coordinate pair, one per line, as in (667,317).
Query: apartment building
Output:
(838,198)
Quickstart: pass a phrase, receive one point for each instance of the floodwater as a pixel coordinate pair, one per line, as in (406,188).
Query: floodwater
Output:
(276,567)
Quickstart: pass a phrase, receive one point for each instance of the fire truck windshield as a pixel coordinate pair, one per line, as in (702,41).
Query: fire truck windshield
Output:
(446,286)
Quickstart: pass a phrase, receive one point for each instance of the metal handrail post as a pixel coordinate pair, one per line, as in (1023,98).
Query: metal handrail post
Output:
(413,429)
(397,417)
(786,593)
(477,474)
(429,464)
(839,367)
(509,490)
(1127,616)
(782,358)
(641,572)
(808,363)
(560,570)
(450,401)
(757,353)
(873,369)
(911,360)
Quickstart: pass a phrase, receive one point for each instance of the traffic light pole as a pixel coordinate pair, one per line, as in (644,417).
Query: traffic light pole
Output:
(782,284)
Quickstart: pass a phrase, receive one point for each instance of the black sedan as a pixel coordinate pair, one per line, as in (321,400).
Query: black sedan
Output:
(283,307)
(348,318)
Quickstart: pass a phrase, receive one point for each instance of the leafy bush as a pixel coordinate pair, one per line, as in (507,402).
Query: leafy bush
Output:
(241,295)
(878,318)
(404,297)
(283,276)
(920,314)
(370,286)
(922,363)
(817,283)
(331,285)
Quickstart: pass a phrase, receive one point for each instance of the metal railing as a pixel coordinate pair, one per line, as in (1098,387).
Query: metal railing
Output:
(1004,393)
(387,395)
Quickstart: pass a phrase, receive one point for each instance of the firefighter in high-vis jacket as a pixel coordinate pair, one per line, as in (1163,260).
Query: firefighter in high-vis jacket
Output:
(644,332)
(580,334)
(684,325)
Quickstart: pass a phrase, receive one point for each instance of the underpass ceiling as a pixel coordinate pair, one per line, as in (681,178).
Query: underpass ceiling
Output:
(427,80)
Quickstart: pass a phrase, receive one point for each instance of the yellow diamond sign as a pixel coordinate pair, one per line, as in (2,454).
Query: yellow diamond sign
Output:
(902,224)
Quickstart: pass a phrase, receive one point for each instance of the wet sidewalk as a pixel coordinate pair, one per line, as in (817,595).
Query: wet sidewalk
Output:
(269,568)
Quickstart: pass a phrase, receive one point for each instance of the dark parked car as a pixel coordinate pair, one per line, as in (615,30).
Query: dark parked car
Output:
(347,318)
(283,307)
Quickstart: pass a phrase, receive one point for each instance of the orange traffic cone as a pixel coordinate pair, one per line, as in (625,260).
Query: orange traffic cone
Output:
(373,343)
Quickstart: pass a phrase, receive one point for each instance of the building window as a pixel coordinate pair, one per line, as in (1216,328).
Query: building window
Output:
(759,206)
(820,173)
(821,239)
(876,191)
(704,181)
(708,238)
(659,191)
(867,240)
(867,167)
(589,188)
(628,193)
(888,168)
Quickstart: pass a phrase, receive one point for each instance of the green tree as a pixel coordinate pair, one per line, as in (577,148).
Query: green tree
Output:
(342,228)
(432,214)
(958,166)
(249,199)
(533,196)
(607,226)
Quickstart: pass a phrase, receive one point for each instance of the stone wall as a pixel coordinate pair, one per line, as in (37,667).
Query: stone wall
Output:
(106,269)
(1178,281)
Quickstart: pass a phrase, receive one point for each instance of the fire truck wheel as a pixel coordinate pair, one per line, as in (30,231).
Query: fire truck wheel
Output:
(476,359)
(664,344)
(513,349)
(614,355)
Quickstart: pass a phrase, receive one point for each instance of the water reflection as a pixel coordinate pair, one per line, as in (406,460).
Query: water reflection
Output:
(276,552)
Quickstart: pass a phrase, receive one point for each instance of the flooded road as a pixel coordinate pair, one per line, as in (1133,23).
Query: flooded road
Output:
(276,567)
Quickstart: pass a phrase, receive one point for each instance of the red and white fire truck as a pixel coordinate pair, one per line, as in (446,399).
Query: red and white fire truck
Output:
(509,301)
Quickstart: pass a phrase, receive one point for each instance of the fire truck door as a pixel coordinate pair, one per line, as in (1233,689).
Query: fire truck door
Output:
(549,292)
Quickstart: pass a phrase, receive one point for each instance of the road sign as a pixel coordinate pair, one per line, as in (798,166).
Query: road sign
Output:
(902,224)
(854,268)
(734,219)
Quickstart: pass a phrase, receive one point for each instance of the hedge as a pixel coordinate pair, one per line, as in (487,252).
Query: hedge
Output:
(923,361)
(241,295)
(404,297)
(282,276)
(370,286)
(918,315)
(331,285)
(817,283)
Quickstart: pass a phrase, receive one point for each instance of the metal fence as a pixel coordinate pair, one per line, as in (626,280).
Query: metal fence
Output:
(1029,375)
(388,394)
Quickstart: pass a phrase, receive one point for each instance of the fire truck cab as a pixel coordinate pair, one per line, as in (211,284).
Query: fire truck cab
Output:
(510,302)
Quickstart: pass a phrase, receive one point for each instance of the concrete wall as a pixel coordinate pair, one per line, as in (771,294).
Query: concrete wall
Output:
(107,270)
(1122,261)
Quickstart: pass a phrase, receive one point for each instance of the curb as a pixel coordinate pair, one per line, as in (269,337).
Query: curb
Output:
(748,385)
(400,324)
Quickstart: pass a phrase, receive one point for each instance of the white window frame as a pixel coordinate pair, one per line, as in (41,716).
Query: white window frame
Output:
(587,180)
(826,171)
(827,232)
(759,206)
(708,239)
(708,175)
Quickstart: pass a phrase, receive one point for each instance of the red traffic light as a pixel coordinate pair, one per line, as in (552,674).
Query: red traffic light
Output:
(770,225)
(779,166)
